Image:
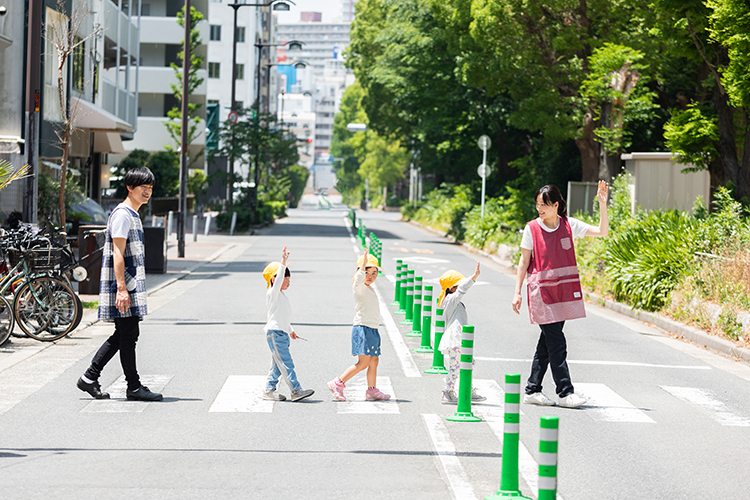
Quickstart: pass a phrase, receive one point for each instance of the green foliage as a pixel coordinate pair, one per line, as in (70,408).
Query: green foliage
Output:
(266,213)
(498,225)
(444,209)
(725,230)
(648,258)
(49,193)
(298,176)
(196,182)
(693,134)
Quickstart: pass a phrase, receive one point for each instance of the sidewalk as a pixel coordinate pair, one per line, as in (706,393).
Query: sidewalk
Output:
(206,249)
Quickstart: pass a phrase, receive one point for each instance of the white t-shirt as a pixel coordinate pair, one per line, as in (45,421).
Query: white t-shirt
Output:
(366,305)
(279,308)
(119,224)
(577,227)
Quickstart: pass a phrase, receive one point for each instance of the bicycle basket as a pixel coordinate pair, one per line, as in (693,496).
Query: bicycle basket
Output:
(36,260)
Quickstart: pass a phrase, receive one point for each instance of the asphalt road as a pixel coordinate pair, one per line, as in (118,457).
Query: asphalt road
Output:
(666,420)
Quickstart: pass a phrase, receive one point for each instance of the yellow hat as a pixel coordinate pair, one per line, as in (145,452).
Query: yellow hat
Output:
(449,279)
(372,261)
(270,271)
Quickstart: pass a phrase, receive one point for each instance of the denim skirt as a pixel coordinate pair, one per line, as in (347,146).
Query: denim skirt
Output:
(365,341)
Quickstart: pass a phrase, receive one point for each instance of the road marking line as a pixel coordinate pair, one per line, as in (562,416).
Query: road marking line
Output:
(494,406)
(118,402)
(454,472)
(608,406)
(242,394)
(605,363)
(705,400)
(394,334)
(357,404)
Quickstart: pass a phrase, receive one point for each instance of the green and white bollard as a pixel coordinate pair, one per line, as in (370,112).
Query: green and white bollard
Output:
(438,361)
(416,321)
(402,292)
(409,306)
(398,283)
(426,322)
(463,412)
(548,458)
(509,478)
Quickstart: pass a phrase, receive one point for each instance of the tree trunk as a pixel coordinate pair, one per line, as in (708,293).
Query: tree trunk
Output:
(727,145)
(588,146)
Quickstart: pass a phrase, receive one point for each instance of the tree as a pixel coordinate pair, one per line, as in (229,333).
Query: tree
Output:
(174,124)
(63,33)
(384,161)
(540,54)
(162,164)
(710,127)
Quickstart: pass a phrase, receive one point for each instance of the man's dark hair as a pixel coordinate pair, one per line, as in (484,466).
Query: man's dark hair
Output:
(140,176)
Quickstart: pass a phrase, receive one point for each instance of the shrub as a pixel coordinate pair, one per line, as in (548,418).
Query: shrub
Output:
(649,257)
(499,224)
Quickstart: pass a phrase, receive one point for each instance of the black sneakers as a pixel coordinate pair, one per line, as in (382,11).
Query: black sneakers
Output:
(93,389)
(143,394)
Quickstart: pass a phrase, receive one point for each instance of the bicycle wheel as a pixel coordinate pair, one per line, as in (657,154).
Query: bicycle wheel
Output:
(6,320)
(46,308)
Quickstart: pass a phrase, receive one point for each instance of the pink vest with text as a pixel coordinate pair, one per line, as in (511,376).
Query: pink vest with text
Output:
(553,286)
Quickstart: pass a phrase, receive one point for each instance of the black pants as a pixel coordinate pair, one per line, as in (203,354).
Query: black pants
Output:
(123,340)
(551,351)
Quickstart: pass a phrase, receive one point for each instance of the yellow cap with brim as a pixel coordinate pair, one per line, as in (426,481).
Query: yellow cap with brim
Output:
(270,271)
(372,261)
(449,279)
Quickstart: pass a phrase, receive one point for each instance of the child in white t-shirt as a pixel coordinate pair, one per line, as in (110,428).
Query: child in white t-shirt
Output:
(365,335)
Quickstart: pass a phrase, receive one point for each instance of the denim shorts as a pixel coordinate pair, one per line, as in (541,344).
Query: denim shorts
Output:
(365,341)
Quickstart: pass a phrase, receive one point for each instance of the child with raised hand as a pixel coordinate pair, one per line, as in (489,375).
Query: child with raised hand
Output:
(453,286)
(278,331)
(365,336)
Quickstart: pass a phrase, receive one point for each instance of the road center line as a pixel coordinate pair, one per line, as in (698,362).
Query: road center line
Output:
(597,362)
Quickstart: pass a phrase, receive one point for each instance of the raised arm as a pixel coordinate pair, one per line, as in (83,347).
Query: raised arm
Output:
(603,229)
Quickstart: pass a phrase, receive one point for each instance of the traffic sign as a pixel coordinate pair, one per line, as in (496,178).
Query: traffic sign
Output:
(232,117)
(484,170)
(484,143)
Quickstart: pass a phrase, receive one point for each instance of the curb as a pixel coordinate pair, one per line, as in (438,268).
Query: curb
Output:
(687,332)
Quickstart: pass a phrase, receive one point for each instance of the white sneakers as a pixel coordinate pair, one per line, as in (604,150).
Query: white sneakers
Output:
(570,401)
(537,399)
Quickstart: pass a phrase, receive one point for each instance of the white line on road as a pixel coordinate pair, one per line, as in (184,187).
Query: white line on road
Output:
(402,352)
(446,454)
(118,403)
(597,362)
(705,400)
(242,393)
(355,398)
(607,406)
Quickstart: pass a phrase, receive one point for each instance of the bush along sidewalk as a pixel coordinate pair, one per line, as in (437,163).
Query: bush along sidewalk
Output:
(694,268)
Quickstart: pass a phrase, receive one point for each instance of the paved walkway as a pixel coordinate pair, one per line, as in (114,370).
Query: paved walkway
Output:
(206,249)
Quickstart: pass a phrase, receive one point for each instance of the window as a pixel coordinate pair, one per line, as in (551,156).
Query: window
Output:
(79,61)
(240,34)
(212,101)
(215,33)
(145,9)
(214,70)
(240,71)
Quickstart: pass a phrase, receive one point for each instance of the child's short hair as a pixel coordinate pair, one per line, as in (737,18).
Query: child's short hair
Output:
(141,176)
(287,273)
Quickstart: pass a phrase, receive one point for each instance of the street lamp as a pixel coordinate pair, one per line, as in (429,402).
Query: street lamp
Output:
(361,127)
(278,5)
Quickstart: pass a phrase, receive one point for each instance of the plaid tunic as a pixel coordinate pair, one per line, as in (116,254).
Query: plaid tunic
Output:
(135,271)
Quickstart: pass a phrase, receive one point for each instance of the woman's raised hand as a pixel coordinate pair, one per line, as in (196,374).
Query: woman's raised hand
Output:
(602,193)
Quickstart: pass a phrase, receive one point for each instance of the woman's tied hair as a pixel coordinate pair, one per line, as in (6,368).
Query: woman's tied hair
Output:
(551,195)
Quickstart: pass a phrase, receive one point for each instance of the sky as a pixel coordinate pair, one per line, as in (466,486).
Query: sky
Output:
(331,10)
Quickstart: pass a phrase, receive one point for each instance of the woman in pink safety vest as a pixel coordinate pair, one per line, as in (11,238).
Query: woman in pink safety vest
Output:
(548,262)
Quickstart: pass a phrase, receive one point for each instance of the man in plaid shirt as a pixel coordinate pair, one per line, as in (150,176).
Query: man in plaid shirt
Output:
(122,292)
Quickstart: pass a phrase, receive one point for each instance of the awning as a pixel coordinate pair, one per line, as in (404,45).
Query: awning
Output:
(92,117)
(108,142)
(55,166)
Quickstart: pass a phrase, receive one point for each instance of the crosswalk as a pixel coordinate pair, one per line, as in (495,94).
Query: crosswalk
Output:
(243,394)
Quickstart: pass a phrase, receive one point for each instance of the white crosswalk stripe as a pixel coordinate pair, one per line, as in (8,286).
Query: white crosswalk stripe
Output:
(118,402)
(242,394)
(446,452)
(355,398)
(607,406)
(708,403)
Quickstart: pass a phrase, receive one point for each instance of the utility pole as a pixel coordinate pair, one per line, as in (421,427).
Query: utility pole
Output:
(182,213)
(33,63)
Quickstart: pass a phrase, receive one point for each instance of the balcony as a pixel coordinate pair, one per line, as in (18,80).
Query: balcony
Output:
(152,135)
(166,30)
(156,80)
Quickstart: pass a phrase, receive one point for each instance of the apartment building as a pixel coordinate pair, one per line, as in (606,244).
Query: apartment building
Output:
(160,44)
(100,82)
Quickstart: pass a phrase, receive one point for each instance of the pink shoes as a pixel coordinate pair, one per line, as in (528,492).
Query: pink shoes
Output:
(374,394)
(337,388)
